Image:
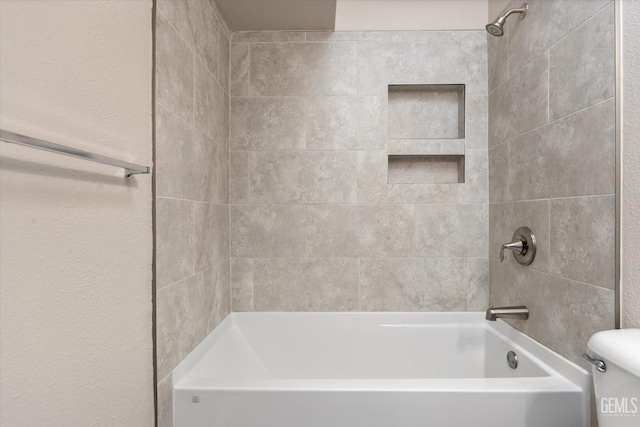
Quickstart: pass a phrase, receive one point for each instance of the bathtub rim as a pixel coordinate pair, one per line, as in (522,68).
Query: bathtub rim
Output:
(564,375)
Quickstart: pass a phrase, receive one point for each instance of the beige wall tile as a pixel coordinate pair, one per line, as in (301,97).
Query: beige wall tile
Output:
(351,231)
(239,177)
(305,285)
(346,123)
(267,123)
(428,147)
(274,230)
(431,284)
(239,69)
(174,71)
(451,230)
(559,160)
(591,50)
(303,177)
(313,69)
(582,238)
(242,284)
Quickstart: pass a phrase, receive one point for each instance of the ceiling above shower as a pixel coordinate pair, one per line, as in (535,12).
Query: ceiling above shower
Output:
(271,15)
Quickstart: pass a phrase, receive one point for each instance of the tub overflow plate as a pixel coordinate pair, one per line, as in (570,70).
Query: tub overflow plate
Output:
(512,360)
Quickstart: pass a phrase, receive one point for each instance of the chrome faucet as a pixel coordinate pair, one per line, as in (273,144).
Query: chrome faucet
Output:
(513,312)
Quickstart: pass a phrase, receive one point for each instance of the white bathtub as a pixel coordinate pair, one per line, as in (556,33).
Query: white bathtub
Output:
(375,370)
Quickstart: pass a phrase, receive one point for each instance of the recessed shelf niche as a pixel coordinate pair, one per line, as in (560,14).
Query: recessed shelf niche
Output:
(426,134)
(426,111)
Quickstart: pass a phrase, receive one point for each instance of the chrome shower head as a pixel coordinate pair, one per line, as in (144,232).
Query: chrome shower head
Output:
(496,28)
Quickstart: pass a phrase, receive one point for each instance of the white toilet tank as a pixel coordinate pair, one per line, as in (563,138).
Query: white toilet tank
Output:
(617,389)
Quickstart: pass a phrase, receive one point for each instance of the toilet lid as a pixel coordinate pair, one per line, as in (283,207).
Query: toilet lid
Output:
(620,347)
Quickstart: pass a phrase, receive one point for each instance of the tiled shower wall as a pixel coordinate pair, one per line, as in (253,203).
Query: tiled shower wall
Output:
(315,223)
(192,181)
(552,168)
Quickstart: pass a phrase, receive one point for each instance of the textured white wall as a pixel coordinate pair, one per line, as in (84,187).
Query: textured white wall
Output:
(631,165)
(363,15)
(76,246)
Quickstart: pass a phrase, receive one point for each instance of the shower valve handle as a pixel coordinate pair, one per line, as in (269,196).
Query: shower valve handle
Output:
(519,247)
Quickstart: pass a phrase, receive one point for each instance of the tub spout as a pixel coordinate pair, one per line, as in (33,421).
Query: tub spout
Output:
(513,312)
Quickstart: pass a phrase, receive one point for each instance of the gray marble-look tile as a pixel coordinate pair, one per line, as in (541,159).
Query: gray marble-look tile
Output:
(506,218)
(267,123)
(521,104)
(165,402)
(373,186)
(305,285)
(352,231)
(179,144)
(476,176)
(499,173)
(180,321)
(498,59)
(346,123)
(174,71)
(210,285)
(211,103)
(384,63)
(197,24)
(474,44)
(591,50)
(563,313)
(242,284)
(239,178)
(223,173)
(547,21)
(561,159)
(451,230)
(303,69)
(583,239)
(268,36)
(425,169)
(476,121)
(430,284)
(211,235)
(273,230)
(631,12)
(224,58)
(421,114)
(332,36)
(303,177)
(175,237)
(425,147)
(239,69)
(223,302)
